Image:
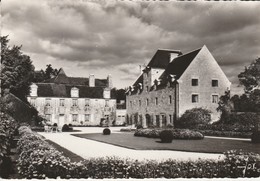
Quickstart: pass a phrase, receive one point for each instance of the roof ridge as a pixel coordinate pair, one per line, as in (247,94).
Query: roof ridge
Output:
(189,52)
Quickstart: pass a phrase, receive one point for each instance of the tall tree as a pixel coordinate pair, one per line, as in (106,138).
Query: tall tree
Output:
(16,70)
(250,77)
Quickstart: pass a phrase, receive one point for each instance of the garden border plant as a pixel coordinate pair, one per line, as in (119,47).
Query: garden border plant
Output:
(40,160)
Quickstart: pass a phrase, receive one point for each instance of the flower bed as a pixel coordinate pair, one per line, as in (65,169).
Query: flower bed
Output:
(177,133)
(39,160)
(234,134)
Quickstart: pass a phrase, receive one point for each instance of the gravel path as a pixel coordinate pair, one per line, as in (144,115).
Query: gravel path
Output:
(89,149)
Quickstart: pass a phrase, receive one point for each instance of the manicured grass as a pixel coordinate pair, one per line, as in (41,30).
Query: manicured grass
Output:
(206,145)
(73,157)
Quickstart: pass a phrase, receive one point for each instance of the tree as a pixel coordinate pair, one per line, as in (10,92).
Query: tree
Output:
(225,105)
(16,70)
(250,78)
(40,76)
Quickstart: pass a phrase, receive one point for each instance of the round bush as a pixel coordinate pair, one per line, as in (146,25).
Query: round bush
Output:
(65,128)
(55,124)
(106,131)
(255,138)
(166,136)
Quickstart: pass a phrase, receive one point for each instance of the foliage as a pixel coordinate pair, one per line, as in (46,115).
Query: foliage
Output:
(119,94)
(255,138)
(242,164)
(40,160)
(193,118)
(139,126)
(225,105)
(127,129)
(16,70)
(8,128)
(40,76)
(234,134)
(66,128)
(106,131)
(250,78)
(166,136)
(177,133)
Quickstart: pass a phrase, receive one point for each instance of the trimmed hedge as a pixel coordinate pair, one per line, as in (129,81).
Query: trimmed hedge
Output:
(106,131)
(166,136)
(177,133)
(233,134)
(255,138)
(40,160)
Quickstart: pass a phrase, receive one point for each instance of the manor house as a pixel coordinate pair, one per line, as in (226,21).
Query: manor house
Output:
(172,83)
(74,100)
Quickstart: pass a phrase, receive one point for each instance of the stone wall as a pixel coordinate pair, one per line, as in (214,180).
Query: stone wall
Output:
(95,109)
(159,114)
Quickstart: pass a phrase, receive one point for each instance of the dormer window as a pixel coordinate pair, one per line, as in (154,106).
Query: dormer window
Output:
(48,102)
(74,92)
(33,92)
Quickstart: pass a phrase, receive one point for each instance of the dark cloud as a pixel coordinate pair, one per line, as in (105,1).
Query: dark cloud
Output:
(118,36)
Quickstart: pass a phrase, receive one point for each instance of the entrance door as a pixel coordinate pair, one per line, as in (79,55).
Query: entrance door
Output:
(61,120)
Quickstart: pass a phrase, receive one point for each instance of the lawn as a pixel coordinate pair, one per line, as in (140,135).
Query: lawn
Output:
(206,145)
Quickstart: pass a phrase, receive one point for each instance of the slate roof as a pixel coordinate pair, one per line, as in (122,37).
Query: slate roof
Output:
(161,58)
(61,85)
(62,78)
(177,67)
(180,64)
(63,90)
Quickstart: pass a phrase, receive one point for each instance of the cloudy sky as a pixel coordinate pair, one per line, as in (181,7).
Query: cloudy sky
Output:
(97,37)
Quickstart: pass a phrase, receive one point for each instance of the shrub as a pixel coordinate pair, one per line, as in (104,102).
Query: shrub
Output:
(193,118)
(65,128)
(255,138)
(55,124)
(127,129)
(187,134)
(234,134)
(166,136)
(106,131)
(139,126)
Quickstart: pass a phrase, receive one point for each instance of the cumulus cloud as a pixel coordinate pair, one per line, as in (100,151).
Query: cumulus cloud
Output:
(112,37)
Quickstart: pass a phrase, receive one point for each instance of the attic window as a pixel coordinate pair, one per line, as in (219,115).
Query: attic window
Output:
(214,83)
(194,82)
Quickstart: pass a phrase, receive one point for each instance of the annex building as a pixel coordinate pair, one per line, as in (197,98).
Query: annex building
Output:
(172,83)
(74,100)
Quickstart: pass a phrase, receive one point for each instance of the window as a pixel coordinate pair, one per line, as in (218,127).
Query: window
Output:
(214,98)
(74,102)
(140,103)
(74,117)
(147,102)
(156,101)
(147,88)
(194,82)
(62,102)
(194,98)
(87,116)
(131,104)
(86,102)
(214,83)
(170,118)
(170,99)
(48,102)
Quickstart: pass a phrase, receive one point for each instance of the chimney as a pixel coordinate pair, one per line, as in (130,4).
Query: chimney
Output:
(33,92)
(91,80)
(109,81)
(173,55)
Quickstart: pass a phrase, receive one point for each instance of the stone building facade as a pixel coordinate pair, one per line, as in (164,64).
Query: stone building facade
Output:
(72,100)
(172,83)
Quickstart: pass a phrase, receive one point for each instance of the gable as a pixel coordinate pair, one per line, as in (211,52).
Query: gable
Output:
(204,64)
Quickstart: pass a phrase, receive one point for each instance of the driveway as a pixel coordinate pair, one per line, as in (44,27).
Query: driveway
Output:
(93,149)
